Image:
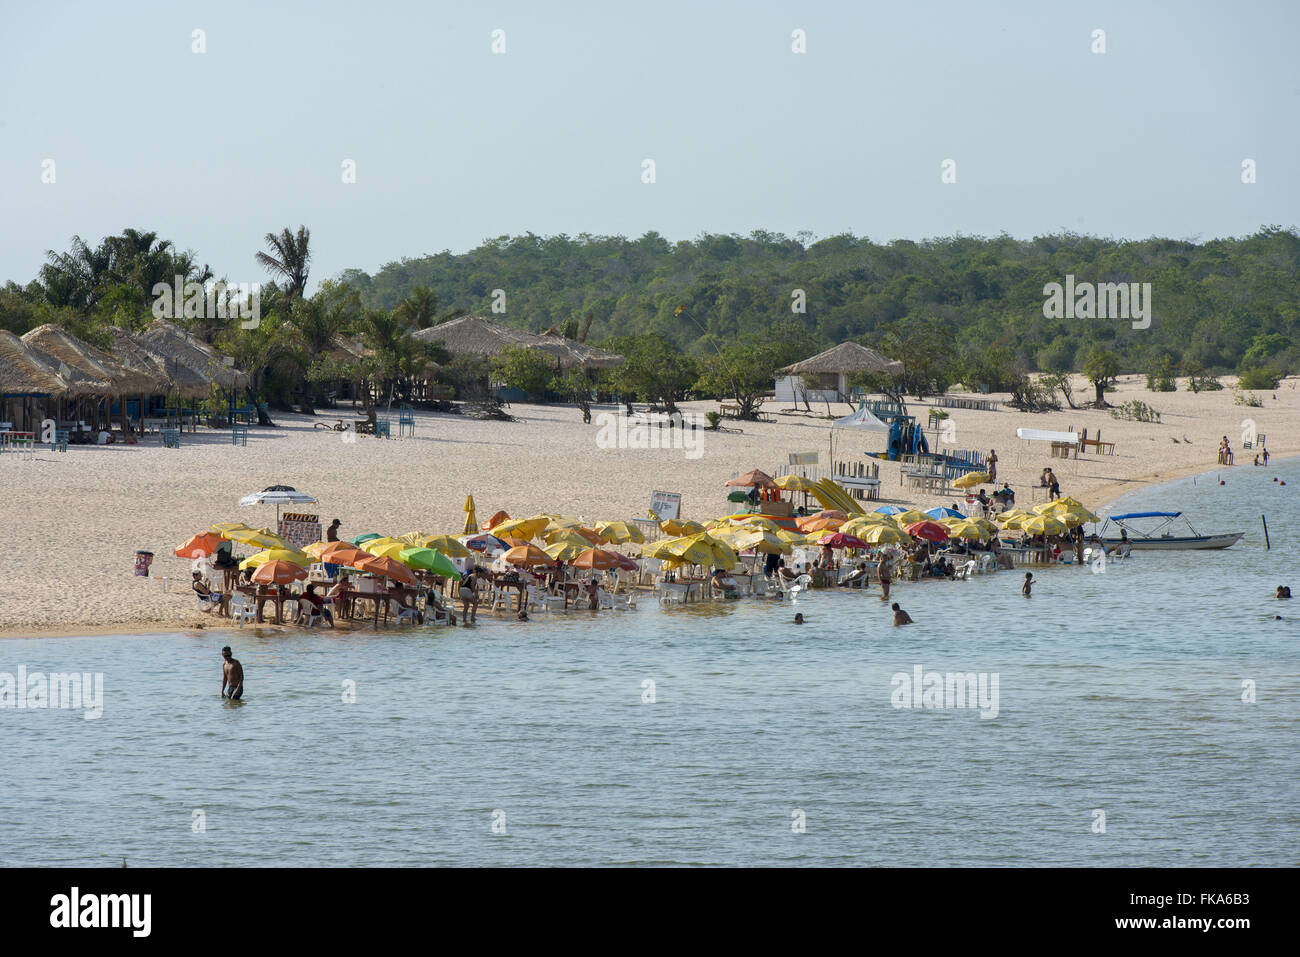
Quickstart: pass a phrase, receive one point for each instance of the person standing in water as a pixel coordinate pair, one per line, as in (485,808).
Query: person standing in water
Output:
(232,676)
(1028,585)
(900,617)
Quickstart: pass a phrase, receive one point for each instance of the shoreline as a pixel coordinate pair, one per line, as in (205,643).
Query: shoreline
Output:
(1105,496)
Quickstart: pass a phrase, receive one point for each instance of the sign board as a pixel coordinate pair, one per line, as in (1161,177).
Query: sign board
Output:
(803,458)
(300,530)
(666,504)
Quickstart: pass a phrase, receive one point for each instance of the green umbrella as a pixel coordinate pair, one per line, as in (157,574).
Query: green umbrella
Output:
(431,560)
(360,539)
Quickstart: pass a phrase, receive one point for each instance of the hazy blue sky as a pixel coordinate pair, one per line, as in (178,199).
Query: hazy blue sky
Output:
(454,143)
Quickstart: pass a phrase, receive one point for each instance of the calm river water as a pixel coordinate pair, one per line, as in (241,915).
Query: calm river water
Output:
(1119,701)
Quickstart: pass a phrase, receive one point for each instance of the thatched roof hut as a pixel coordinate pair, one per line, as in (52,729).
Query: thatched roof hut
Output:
(174,378)
(25,370)
(480,336)
(174,344)
(844,359)
(93,362)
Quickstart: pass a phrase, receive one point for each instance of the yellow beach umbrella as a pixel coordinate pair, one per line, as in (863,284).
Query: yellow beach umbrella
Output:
(792,538)
(223,527)
(566,551)
(884,535)
(971,479)
(261,537)
(383,541)
(290,555)
(759,521)
(557,535)
(1073,514)
(471,520)
(757,540)
(677,526)
(911,517)
(390,549)
(659,549)
(722,554)
(793,483)
(524,528)
(691,550)
(449,545)
(315,548)
(1043,525)
(619,533)
(1065,501)
(968,531)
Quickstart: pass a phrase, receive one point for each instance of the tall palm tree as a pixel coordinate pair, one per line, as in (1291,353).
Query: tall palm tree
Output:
(291,258)
(419,309)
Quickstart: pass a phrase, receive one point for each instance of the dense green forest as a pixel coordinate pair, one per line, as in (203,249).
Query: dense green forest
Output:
(715,316)
(1217,303)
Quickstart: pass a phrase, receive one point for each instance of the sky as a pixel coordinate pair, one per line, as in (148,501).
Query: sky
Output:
(454,143)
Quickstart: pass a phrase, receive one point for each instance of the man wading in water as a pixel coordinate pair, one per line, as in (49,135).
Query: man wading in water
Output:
(232,675)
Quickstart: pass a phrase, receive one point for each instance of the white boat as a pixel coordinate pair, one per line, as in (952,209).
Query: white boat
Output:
(1161,537)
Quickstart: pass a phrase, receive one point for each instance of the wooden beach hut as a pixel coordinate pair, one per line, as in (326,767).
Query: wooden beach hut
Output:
(824,377)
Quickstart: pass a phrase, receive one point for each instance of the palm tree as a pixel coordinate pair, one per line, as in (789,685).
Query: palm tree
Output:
(419,309)
(291,258)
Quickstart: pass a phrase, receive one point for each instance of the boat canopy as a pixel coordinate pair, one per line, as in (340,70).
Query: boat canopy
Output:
(1127,515)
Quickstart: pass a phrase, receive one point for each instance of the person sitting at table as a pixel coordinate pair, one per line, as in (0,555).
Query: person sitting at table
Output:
(592,588)
(856,578)
(786,574)
(722,584)
(435,609)
(209,597)
(340,595)
(309,603)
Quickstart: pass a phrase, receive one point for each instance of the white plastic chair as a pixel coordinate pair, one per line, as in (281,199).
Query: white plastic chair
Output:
(793,588)
(242,609)
(543,600)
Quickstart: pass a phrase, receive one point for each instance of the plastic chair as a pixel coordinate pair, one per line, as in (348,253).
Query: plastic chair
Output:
(405,420)
(242,609)
(171,438)
(383,429)
(239,435)
(543,600)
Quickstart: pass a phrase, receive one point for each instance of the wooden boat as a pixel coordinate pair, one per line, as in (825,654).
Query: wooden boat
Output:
(1160,537)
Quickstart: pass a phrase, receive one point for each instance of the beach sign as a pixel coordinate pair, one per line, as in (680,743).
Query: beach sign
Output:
(666,504)
(803,458)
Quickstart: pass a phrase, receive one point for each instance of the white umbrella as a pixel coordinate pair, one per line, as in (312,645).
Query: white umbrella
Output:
(278,495)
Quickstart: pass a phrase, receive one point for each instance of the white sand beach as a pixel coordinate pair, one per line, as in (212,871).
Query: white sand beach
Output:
(74,520)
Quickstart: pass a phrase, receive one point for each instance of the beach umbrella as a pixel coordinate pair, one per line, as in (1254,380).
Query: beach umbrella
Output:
(471,523)
(751,478)
(840,540)
(626,563)
(362,539)
(512,541)
(496,519)
(1073,514)
(199,546)
(757,521)
(561,521)
(565,551)
(279,573)
(388,549)
(278,495)
(387,568)
(315,549)
(943,511)
(971,479)
(755,540)
(1015,521)
(224,527)
(819,524)
(675,526)
(911,516)
(523,528)
(1043,525)
(1065,502)
(722,555)
(930,531)
(596,559)
(429,560)
(691,551)
(261,537)
(968,531)
(449,546)
(485,543)
(890,510)
(619,533)
(527,555)
(290,555)
(791,537)
(569,535)
(860,523)
(793,483)
(341,553)
(659,549)
(884,535)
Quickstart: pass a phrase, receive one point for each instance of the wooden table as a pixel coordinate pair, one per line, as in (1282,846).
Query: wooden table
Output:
(1063,450)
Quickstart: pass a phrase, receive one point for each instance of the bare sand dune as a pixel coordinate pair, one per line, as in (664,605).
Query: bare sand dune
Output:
(73,521)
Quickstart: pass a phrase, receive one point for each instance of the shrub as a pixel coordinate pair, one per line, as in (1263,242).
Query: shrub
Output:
(1259,377)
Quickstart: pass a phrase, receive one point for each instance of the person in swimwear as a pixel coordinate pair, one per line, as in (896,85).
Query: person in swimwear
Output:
(232,676)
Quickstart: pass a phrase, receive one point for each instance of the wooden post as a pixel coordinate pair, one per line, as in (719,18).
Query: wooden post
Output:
(1267,546)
